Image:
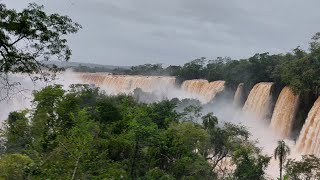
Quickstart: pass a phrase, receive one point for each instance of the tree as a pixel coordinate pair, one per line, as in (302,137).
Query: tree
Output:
(192,70)
(45,125)
(191,113)
(209,121)
(250,164)
(31,37)
(16,132)
(163,113)
(186,143)
(79,141)
(224,142)
(147,69)
(14,166)
(315,43)
(307,168)
(281,152)
(157,173)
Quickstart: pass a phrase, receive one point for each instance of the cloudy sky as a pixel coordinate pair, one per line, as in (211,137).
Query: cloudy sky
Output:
(131,32)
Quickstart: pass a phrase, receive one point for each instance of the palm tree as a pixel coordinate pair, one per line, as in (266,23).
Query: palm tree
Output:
(281,152)
(209,121)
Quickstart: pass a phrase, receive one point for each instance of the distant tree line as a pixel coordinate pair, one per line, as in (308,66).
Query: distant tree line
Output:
(83,68)
(145,69)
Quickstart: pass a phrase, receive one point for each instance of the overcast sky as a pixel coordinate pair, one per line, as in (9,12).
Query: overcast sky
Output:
(131,32)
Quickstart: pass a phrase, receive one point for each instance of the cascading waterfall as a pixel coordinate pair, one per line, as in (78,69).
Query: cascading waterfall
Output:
(95,78)
(309,139)
(238,95)
(284,112)
(259,100)
(193,86)
(125,84)
(202,88)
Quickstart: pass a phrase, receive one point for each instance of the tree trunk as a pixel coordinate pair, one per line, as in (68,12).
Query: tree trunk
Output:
(280,168)
(133,160)
(75,169)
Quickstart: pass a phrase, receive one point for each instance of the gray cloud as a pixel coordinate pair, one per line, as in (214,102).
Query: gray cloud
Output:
(126,32)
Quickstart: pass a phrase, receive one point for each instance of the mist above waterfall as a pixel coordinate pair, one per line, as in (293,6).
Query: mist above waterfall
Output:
(20,96)
(153,88)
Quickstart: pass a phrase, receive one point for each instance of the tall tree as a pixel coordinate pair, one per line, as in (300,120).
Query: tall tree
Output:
(281,152)
(31,37)
(16,132)
(209,121)
(250,163)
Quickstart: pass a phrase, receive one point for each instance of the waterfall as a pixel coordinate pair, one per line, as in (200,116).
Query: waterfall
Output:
(309,139)
(284,112)
(94,78)
(203,89)
(258,101)
(237,100)
(116,84)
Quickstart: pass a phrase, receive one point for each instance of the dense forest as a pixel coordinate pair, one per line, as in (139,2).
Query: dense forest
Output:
(83,134)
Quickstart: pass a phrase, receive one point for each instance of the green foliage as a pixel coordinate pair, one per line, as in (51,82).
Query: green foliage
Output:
(307,168)
(163,113)
(17,132)
(147,69)
(191,113)
(14,166)
(40,35)
(83,134)
(158,174)
(281,152)
(250,165)
(224,143)
(192,70)
(209,121)
(301,73)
